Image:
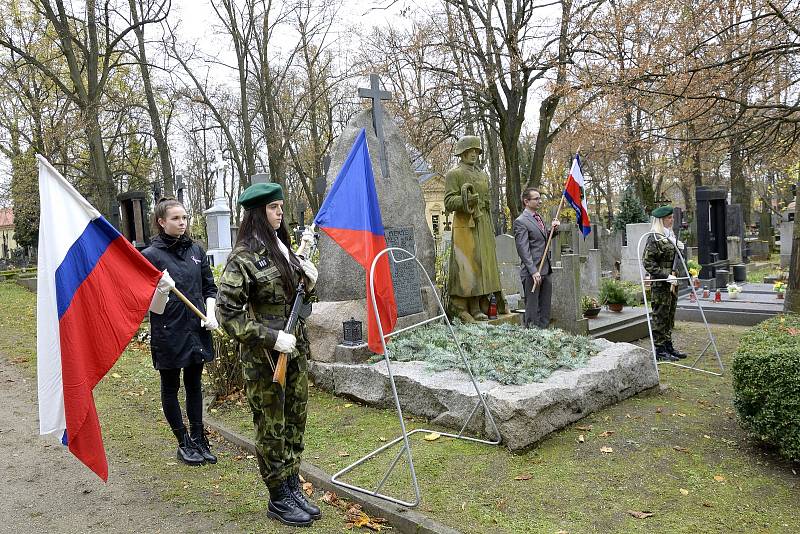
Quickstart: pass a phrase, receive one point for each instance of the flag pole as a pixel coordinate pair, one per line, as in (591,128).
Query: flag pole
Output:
(192,307)
(549,239)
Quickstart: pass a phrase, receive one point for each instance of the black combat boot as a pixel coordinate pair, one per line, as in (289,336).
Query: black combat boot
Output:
(675,352)
(201,443)
(300,498)
(664,355)
(187,451)
(285,509)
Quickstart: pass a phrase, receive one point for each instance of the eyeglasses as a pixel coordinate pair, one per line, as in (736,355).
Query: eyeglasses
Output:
(534,198)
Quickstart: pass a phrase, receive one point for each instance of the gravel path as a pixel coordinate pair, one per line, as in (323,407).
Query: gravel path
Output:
(43,488)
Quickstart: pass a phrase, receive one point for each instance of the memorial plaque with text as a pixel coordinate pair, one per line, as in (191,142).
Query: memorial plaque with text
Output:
(405,275)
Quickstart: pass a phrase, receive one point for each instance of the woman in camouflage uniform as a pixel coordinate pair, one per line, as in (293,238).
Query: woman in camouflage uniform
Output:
(256,293)
(659,261)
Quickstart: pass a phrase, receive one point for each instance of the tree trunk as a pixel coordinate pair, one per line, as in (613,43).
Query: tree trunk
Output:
(792,302)
(738,186)
(152,107)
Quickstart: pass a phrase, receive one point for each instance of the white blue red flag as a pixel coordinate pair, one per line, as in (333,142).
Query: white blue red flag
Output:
(93,290)
(574,193)
(351,216)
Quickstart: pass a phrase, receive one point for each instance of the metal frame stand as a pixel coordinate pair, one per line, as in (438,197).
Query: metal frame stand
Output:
(711,341)
(406,447)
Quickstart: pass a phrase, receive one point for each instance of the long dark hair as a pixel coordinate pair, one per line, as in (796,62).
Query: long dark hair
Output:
(256,232)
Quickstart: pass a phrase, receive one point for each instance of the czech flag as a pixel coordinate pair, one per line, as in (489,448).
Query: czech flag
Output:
(93,290)
(351,216)
(573,191)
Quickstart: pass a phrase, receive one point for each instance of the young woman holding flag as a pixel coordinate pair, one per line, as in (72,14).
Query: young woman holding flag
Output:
(256,293)
(179,341)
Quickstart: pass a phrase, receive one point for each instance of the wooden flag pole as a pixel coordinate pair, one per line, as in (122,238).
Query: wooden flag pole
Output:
(192,307)
(549,239)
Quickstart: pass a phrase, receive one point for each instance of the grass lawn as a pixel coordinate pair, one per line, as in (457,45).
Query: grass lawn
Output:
(678,454)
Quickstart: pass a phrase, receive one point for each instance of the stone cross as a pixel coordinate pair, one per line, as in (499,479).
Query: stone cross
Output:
(374,92)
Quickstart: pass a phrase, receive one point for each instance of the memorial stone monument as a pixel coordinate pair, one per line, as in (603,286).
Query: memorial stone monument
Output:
(712,237)
(341,287)
(218,219)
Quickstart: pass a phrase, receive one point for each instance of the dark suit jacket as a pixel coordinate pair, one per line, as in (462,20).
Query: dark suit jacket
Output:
(530,241)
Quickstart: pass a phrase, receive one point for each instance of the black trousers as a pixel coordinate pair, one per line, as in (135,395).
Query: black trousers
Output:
(171,383)
(537,303)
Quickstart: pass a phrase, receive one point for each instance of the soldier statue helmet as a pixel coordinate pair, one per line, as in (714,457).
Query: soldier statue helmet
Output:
(465,143)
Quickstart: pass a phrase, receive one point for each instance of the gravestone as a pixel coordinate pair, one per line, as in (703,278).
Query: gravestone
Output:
(218,219)
(508,263)
(134,218)
(734,224)
(404,273)
(787,233)
(630,267)
(341,287)
(712,237)
(565,304)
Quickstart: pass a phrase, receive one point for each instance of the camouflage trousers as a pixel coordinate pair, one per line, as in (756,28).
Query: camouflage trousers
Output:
(279,419)
(662,319)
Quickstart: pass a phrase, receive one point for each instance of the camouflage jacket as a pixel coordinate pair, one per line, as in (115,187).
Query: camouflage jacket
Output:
(659,257)
(252,307)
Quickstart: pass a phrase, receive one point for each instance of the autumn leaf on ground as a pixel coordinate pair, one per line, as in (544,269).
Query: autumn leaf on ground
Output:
(523,477)
(116,375)
(433,436)
(581,438)
(606,433)
(659,409)
(680,449)
(586,428)
(607,450)
(640,515)
(719,478)
(349,404)
(344,453)
(684,491)
(308,488)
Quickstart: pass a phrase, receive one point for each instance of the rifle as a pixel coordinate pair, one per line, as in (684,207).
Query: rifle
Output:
(279,375)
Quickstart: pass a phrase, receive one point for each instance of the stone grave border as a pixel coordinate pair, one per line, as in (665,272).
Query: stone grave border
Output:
(406,447)
(711,341)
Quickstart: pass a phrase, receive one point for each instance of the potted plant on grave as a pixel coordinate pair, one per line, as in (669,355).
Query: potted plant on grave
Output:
(694,271)
(779,288)
(589,306)
(613,294)
(734,290)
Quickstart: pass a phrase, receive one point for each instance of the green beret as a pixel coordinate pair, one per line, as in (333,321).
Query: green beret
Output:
(260,195)
(661,212)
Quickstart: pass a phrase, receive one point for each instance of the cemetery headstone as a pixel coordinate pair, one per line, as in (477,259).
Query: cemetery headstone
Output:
(712,237)
(405,278)
(134,218)
(218,220)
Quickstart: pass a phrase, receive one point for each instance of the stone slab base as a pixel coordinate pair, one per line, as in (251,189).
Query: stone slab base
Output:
(524,414)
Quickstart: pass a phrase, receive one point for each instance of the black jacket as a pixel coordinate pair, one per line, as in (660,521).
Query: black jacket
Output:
(176,338)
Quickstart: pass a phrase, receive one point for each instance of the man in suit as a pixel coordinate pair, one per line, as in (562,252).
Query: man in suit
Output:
(530,235)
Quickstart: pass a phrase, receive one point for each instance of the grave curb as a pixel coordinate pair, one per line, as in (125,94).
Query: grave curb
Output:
(404,520)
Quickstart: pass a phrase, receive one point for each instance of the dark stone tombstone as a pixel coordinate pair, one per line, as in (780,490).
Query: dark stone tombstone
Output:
(712,237)
(405,275)
(134,218)
(734,224)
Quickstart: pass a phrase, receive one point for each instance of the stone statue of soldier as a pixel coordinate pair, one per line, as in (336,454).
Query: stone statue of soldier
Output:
(473,274)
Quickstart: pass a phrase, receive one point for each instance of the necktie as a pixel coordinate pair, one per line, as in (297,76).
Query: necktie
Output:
(539,221)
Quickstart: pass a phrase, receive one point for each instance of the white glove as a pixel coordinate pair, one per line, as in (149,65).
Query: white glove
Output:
(285,342)
(161,294)
(211,315)
(307,239)
(672,280)
(680,244)
(166,284)
(311,273)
